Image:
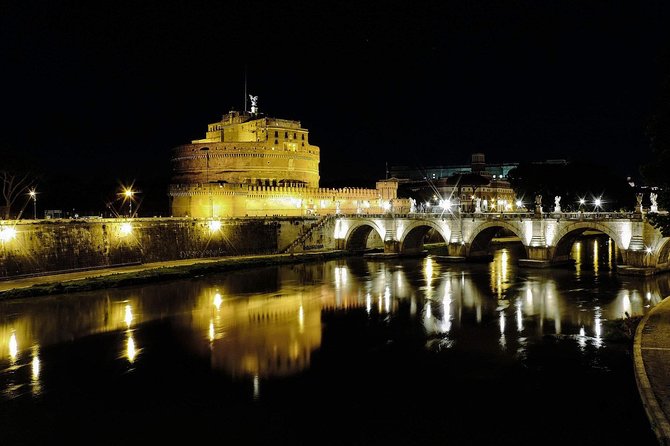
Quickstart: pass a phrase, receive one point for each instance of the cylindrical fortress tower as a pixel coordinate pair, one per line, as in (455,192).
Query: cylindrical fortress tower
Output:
(246,148)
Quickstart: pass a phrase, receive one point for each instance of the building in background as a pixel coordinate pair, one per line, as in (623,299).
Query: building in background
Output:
(470,188)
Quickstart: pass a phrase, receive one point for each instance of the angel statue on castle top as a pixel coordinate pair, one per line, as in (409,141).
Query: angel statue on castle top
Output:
(254,104)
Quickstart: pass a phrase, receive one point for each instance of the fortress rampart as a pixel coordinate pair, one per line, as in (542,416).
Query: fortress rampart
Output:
(49,246)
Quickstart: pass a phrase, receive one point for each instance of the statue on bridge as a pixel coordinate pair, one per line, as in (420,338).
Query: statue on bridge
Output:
(639,203)
(654,204)
(478,205)
(538,204)
(557,205)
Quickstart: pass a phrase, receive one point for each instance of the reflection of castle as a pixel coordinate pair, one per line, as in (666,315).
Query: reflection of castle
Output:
(249,164)
(261,336)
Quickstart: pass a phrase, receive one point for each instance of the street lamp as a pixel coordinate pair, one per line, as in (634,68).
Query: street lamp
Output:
(33,195)
(129,195)
(598,202)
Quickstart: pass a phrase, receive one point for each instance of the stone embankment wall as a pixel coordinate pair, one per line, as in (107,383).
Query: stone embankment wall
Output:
(47,246)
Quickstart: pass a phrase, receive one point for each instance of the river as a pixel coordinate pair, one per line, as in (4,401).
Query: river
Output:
(349,351)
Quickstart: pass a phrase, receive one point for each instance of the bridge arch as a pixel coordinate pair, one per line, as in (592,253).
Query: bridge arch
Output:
(664,253)
(356,238)
(479,241)
(411,240)
(567,235)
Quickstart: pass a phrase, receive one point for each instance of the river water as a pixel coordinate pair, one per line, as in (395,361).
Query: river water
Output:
(350,351)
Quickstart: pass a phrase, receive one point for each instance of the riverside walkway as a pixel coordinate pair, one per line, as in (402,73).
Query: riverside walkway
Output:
(651,352)
(651,344)
(26,282)
(73,277)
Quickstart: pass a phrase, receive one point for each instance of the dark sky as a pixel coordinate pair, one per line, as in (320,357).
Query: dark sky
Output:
(96,93)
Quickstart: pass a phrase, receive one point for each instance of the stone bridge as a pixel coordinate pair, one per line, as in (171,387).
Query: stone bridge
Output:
(546,237)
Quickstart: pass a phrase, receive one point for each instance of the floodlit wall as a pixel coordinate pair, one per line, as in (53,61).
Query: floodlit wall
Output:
(46,246)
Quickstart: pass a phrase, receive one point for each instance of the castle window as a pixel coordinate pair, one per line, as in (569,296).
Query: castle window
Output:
(276,134)
(303,136)
(294,136)
(285,135)
(276,141)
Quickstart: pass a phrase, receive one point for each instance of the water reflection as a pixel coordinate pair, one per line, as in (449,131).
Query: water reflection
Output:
(268,322)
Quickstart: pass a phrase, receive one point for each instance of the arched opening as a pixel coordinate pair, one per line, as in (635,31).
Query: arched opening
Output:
(664,254)
(364,238)
(494,237)
(413,242)
(587,248)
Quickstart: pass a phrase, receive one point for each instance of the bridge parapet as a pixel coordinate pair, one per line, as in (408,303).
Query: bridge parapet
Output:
(547,237)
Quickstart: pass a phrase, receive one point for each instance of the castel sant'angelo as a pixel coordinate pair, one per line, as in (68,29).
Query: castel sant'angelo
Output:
(252,165)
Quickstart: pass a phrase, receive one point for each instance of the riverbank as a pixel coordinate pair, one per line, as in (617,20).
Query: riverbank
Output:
(136,274)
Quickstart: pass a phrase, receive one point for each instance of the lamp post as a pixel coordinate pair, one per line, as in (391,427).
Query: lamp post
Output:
(209,188)
(129,195)
(33,195)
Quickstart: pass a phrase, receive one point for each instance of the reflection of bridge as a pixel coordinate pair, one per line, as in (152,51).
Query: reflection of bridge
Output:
(547,238)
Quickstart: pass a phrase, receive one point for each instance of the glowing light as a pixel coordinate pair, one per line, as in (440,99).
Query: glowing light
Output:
(129,316)
(519,317)
(597,322)
(301,319)
(340,276)
(214,225)
(13,347)
(257,387)
(35,367)
(446,318)
(581,339)
(428,270)
(446,204)
(126,228)
(217,300)
(131,351)
(387,300)
(429,312)
(502,322)
(211,331)
(598,201)
(649,250)
(128,193)
(582,201)
(519,203)
(368,303)
(7,233)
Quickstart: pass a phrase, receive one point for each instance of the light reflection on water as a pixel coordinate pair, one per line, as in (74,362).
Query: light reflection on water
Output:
(268,323)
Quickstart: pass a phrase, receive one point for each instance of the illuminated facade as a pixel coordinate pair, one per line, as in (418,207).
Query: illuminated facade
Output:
(252,165)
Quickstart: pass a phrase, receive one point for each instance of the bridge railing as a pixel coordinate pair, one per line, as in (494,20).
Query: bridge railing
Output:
(576,216)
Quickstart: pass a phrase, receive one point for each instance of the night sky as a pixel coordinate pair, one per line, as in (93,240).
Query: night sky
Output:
(97,93)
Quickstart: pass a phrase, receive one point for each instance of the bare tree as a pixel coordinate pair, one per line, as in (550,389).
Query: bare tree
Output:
(13,186)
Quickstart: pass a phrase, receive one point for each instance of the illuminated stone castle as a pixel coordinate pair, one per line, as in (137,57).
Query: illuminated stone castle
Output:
(252,165)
